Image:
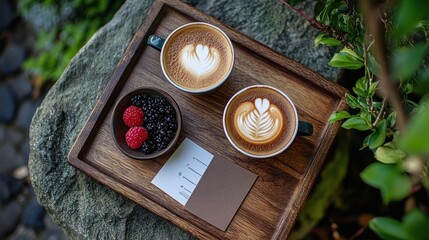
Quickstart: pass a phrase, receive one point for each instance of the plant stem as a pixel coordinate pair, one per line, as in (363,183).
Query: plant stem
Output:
(369,100)
(358,233)
(389,91)
(313,22)
(380,113)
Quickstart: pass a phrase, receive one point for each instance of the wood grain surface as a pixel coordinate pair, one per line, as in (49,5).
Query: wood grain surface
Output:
(272,205)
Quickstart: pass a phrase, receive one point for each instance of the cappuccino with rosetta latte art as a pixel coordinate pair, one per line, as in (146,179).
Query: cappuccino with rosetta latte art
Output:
(260,121)
(197,56)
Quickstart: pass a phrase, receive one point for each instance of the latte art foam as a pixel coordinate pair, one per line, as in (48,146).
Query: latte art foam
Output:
(197,57)
(258,122)
(200,60)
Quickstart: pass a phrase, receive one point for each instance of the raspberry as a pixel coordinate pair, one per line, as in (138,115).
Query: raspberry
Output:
(133,116)
(135,137)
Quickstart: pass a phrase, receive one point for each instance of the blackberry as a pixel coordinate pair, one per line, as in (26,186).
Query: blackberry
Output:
(162,132)
(172,126)
(168,119)
(158,138)
(146,96)
(161,109)
(147,101)
(151,143)
(166,139)
(160,101)
(144,106)
(147,147)
(162,146)
(159,120)
(170,133)
(151,116)
(160,126)
(155,117)
(146,117)
(151,102)
(150,126)
(137,100)
(170,110)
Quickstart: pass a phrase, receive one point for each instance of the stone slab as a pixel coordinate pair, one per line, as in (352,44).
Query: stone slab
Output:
(80,205)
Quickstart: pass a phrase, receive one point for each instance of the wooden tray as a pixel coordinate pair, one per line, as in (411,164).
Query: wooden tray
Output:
(272,205)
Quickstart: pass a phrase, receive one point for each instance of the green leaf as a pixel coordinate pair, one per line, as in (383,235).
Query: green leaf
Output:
(352,101)
(362,102)
(372,64)
(359,91)
(391,182)
(365,142)
(336,116)
(322,12)
(391,119)
(345,23)
(346,58)
(422,85)
(372,88)
(377,105)
(407,60)
(352,53)
(416,225)
(379,135)
(407,88)
(367,117)
(399,188)
(361,83)
(360,87)
(338,7)
(388,228)
(356,123)
(409,13)
(415,139)
(325,40)
(389,154)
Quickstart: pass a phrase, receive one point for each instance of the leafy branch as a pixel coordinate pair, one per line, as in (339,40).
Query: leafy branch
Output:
(378,29)
(389,41)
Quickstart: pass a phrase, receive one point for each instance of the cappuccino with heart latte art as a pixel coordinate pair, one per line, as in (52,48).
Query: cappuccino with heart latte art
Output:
(197,56)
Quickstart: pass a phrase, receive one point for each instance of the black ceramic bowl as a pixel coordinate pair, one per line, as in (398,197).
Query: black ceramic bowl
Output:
(119,128)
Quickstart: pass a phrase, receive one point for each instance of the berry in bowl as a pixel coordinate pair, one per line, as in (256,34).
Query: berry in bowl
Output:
(146,123)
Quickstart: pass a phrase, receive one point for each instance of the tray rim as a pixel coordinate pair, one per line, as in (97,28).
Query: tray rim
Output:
(129,60)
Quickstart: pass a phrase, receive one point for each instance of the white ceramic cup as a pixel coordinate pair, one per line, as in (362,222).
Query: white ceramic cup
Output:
(158,43)
(300,128)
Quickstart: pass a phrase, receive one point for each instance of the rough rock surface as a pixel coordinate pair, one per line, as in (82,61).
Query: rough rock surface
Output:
(79,204)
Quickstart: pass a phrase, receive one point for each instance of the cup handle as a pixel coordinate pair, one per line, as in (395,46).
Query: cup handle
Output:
(156,42)
(305,128)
